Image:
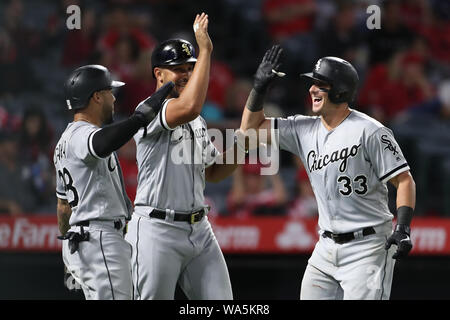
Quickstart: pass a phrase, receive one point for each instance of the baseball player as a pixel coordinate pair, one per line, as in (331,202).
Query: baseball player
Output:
(172,240)
(92,206)
(349,158)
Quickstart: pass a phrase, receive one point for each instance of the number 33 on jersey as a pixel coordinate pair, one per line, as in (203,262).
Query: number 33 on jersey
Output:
(348,166)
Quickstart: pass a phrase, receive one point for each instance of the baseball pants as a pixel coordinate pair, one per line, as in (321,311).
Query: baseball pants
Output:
(167,252)
(357,270)
(101,265)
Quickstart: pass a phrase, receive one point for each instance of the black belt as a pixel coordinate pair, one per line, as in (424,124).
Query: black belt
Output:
(347,237)
(117,224)
(191,218)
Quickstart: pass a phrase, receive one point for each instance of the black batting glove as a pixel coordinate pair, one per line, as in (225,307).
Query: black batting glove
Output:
(267,70)
(148,109)
(401,238)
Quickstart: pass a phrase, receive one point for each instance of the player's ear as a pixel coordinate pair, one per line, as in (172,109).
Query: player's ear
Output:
(158,74)
(97,97)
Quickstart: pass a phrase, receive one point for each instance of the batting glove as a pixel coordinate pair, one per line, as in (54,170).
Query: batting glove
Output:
(401,238)
(267,70)
(148,109)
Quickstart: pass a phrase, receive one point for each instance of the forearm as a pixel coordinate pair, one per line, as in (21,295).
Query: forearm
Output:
(406,201)
(221,169)
(63,212)
(253,115)
(194,94)
(406,193)
(112,137)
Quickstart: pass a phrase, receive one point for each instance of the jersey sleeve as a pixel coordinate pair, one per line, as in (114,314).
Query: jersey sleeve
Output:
(385,155)
(60,190)
(284,132)
(81,143)
(156,125)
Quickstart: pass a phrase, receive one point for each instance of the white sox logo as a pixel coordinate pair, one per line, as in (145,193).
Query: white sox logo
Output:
(317,66)
(317,162)
(186,49)
(388,144)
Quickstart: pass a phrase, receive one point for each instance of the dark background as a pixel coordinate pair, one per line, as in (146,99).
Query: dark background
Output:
(253,277)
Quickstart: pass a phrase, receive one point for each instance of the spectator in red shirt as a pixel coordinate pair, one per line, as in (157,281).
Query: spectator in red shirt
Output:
(120,24)
(251,193)
(391,88)
(140,85)
(291,24)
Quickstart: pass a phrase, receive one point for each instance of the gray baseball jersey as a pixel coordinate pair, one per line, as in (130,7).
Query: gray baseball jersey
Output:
(93,186)
(348,167)
(173,176)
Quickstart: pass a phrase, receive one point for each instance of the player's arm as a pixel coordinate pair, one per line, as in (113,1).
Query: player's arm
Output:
(220,169)
(189,104)
(406,202)
(406,190)
(63,212)
(113,136)
(253,116)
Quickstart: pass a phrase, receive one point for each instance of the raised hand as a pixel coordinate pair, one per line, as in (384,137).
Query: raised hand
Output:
(267,70)
(201,32)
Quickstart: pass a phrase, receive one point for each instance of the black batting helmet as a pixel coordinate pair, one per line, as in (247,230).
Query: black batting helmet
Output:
(172,52)
(339,74)
(84,81)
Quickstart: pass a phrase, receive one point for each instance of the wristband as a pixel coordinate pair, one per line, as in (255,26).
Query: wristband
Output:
(404,215)
(255,101)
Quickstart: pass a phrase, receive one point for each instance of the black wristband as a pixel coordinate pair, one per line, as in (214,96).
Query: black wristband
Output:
(255,101)
(404,215)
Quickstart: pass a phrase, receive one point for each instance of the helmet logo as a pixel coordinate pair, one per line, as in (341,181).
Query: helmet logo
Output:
(186,49)
(317,67)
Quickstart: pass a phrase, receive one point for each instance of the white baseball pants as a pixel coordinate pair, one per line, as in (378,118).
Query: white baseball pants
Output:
(102,265)
(167,252)
(357,270)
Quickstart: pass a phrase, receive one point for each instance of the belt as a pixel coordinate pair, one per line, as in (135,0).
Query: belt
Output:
(349,236)
(117,224)
(191,218)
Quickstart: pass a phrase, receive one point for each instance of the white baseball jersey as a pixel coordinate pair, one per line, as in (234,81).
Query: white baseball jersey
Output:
(348,167)
(93,186)
(173,176)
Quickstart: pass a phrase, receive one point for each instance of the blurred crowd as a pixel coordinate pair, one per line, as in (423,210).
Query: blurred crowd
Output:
(404,70)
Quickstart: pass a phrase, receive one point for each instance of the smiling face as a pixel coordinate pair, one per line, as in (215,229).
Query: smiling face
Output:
(179,74)
(319,96)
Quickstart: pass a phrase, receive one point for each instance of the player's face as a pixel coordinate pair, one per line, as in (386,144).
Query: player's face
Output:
(319,95)
(107,106)
(179,74)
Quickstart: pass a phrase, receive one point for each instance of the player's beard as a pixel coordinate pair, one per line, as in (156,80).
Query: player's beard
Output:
(180,85)
(108,114)
(174,93)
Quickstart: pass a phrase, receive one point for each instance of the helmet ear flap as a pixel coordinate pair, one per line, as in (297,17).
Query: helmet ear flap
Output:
(340,74)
